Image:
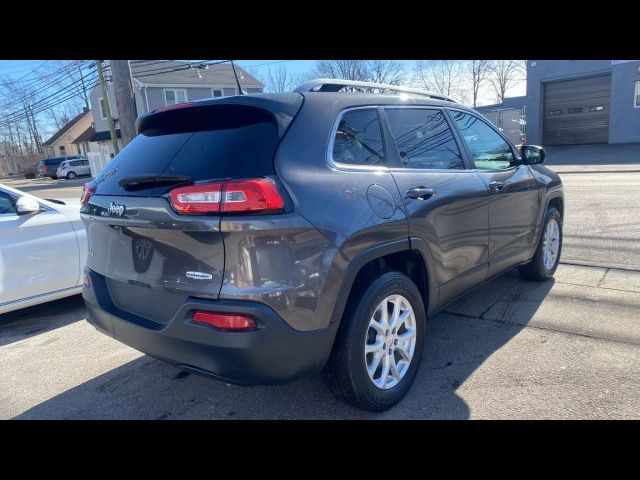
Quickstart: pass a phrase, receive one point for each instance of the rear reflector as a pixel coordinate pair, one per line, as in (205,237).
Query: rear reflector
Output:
(257,195)
(87,191)
(177,106)
(225,321)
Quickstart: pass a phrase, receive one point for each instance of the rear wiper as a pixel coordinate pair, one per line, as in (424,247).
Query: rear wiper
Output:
(147,181)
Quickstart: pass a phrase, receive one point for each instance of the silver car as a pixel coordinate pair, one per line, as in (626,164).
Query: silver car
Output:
(73,168)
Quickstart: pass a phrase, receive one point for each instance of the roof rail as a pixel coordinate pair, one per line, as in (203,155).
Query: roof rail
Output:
(335,85)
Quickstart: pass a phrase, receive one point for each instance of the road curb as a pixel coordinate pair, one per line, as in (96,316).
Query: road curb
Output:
(595,171)
(580,263)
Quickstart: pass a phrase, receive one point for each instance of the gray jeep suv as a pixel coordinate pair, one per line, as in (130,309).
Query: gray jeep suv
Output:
(261,238)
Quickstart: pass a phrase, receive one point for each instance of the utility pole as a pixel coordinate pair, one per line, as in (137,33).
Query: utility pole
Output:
(107,106)
(125,98)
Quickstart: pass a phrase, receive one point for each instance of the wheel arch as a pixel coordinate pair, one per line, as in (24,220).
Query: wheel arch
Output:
(409,256)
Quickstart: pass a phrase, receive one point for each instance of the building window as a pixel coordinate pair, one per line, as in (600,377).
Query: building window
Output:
(173,96)
(62,150)
(103,109)
(596,108)
(555,112)
(575,110)
(636,102)
(216,93)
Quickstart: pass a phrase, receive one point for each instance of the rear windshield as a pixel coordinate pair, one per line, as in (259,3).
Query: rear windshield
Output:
(234,144)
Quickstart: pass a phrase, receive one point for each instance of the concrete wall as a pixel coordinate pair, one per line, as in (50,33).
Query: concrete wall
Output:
(624,119)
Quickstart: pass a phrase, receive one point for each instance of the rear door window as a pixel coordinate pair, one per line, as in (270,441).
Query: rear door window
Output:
(424,139)
(358,138)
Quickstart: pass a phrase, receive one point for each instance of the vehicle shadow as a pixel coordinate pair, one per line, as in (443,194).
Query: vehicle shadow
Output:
(458,342)
(27,322)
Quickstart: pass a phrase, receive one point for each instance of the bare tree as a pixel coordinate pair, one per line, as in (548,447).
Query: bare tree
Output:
(504,75)
(386,71)
(479,70)
(342,69)
(441,76)
(282,79)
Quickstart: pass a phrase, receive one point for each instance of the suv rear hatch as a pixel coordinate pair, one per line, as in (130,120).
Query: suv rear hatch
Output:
(152,222)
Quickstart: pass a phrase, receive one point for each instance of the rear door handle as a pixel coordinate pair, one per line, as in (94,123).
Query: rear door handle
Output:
(496,186)
(421,193)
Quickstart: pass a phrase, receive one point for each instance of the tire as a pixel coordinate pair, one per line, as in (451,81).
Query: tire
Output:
(346,371)
(71,175)
(536,270)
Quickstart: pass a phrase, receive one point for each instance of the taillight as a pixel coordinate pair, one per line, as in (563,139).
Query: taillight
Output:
(87,191)
(225,321)
(45,168)
(197,199)
(257,195)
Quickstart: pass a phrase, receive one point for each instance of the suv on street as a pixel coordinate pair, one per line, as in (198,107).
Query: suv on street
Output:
(73,168)
(261,238)
(49,166)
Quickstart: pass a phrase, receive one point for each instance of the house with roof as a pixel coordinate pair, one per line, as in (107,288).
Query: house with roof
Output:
(65,140)
(163,83)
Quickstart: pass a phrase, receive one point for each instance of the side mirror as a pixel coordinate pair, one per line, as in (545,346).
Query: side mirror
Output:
(532,154)
(27,206)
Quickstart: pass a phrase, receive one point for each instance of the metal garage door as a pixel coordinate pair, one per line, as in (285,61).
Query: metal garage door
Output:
(577,111)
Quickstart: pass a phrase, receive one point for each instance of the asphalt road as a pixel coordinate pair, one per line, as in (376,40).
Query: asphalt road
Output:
(602,218)
(514,349)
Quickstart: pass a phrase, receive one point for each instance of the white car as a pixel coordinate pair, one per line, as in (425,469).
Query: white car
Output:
(43,249)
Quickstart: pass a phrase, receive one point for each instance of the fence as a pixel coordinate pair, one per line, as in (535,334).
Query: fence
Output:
(19,164)
(97,162)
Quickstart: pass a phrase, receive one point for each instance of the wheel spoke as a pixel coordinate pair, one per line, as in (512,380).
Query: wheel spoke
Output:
(374,347)
(385,369)
(375,363)
(408,335)
(377,326)
(393,368)
(403,352)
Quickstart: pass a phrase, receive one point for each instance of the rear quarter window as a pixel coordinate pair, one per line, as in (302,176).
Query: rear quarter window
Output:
(358,138)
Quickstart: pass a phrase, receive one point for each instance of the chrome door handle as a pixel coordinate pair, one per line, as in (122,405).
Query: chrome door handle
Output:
(421,193)
(496,186)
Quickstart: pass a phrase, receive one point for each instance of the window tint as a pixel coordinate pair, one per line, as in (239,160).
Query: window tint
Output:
(424,139)
(6,204)
(358,139)
(488,149)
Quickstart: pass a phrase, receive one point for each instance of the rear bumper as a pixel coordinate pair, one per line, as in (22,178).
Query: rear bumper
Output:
(272,354)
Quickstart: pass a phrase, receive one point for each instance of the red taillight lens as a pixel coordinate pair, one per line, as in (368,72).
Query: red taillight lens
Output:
(87,191)
(197,199)
(225,321)
(177,106)
(251,196)
(256,195)
(45,168)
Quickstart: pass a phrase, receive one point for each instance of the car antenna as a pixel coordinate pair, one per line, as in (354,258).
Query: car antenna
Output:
(237,80)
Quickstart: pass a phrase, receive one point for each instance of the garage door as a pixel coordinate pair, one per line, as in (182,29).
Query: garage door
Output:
(577,111)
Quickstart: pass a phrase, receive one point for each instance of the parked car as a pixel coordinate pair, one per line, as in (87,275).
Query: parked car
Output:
(49,166)
(261,238)
(42,249)
(70,169)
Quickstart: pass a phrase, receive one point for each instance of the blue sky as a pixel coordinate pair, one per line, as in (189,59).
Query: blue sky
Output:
(25,70)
